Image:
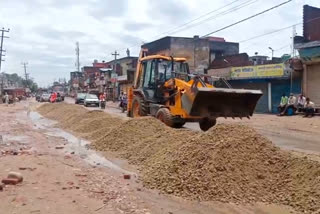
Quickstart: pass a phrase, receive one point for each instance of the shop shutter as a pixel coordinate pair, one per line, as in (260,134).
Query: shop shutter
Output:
(262,105)
(313,83)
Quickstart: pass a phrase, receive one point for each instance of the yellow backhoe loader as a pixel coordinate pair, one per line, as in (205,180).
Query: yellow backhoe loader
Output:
(164,88)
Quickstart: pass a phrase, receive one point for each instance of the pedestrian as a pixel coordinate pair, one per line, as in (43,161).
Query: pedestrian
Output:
(301,102)
(283,103)
(309,108)
(6,99)
(290,105)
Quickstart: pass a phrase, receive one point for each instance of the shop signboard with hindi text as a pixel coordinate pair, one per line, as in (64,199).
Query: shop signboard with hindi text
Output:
(259,71)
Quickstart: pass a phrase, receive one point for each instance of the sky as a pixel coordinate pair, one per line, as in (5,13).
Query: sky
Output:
(44,32)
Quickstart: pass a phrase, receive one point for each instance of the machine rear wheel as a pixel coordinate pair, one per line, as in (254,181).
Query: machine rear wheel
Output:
(138,107)
(206,123)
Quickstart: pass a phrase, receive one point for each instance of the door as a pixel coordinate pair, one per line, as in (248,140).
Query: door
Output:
(149,84)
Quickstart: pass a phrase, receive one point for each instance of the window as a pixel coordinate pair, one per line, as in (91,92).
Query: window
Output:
(165,70)
(149,72)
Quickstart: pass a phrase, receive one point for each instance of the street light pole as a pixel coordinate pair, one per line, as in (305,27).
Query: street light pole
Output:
(272,51)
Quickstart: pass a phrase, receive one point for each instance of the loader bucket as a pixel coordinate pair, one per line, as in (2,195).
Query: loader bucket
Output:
(220,102)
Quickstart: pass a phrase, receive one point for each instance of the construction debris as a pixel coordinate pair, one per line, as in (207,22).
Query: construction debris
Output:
(229,163)
(16,175)
(10,181)
(127,177)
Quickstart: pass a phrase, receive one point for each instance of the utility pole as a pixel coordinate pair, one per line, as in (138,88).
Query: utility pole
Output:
(1,47)
(2,84)
(25,72)
(294,33)
(115,54)
(77,56)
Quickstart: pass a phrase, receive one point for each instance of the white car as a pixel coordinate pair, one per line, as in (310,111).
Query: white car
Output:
(91,99)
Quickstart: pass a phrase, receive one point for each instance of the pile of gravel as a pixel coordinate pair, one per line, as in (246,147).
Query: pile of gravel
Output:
(233,163)
(229,163)
(140,139)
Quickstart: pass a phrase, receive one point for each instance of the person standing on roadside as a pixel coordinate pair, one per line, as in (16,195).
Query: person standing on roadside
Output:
(6,99)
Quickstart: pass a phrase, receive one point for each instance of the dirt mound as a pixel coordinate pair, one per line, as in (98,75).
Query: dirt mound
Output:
(229,163)
(232,163)
(62,112)
(89,124)
(139,139)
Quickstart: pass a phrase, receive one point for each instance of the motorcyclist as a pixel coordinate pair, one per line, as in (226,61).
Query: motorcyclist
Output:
(53,97)
(102,99)
(123,103)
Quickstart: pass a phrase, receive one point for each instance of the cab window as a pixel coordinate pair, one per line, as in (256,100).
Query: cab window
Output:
(149,74)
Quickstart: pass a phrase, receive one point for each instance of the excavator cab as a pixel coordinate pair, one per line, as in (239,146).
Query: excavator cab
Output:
(165,89)
(155,72)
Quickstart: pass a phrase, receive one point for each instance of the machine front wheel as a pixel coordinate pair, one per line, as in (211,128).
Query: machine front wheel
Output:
(165,116)
(206,123)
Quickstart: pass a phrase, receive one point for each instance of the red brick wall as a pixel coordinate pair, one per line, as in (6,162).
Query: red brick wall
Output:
(311,23)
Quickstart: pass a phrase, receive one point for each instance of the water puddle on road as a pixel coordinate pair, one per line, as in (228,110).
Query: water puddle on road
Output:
(75,144)
(17,138)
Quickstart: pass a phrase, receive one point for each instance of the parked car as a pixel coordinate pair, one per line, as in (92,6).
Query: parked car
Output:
(79,99)
(91,99)
(45,98)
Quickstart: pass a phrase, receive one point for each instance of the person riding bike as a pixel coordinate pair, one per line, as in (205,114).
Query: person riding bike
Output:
(102,99)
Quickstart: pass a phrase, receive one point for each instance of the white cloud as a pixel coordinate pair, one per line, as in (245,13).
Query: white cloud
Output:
(44,32)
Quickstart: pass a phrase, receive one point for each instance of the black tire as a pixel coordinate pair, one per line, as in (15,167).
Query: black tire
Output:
(165,116)
(206,123)
(178,125)
(85,105)
(138,108)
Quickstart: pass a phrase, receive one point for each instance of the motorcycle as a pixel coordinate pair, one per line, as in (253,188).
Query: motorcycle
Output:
(103,104)
(123,104)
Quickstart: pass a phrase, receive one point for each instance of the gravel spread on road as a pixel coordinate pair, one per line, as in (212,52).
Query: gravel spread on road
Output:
(229,163)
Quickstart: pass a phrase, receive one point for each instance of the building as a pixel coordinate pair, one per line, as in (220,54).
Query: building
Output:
(272,79)
(199,52)
(221,66)
(76,82)
(258,59)
(94,79)
(308,46)
(123,74)
(259,73)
